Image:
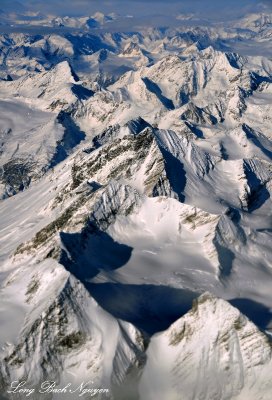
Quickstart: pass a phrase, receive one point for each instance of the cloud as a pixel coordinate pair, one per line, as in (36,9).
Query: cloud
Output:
(12,5)
(90,6)
(267,3)
(213,8)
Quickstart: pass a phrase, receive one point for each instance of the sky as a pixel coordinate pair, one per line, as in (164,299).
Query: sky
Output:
(206,8)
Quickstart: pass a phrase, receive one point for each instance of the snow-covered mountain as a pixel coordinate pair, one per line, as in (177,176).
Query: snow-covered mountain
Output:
(135,184)
(37,19)
(38,130)
(213,352)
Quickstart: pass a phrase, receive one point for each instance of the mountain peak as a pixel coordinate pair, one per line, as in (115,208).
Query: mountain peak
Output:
(64,72)
(232,355)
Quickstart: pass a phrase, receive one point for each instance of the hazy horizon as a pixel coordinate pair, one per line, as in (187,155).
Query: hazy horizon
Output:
(219,9)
